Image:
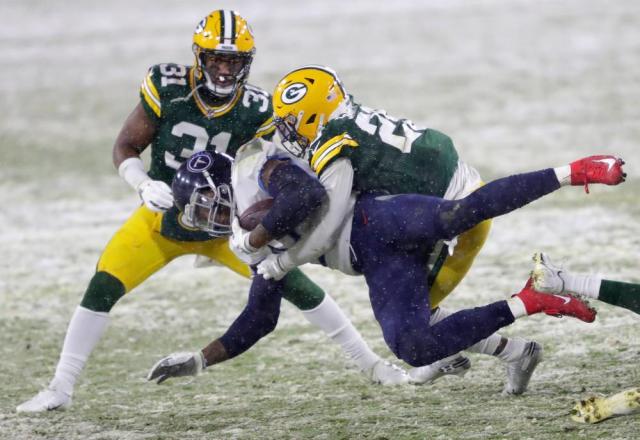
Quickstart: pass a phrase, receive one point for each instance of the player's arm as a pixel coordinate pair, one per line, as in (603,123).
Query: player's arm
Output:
(135,136)
(337,179)
(296,195)
(258,319)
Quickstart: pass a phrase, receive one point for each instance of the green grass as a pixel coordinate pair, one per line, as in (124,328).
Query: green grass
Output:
(517,85)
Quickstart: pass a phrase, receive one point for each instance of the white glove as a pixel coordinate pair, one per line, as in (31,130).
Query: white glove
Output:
(239,244)
(156,195)
(273,267)
(177,365)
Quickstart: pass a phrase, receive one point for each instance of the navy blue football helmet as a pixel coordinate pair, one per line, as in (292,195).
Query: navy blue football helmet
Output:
(202,192)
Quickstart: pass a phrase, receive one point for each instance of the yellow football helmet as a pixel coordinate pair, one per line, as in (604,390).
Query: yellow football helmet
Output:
(224,47)
(303,102)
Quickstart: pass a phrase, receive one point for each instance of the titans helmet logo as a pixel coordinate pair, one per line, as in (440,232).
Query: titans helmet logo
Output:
(199,162)
(293,93)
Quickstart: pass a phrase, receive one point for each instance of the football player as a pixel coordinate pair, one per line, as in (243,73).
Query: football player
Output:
(352,146)
(183,110)
(388,239)
(549,277)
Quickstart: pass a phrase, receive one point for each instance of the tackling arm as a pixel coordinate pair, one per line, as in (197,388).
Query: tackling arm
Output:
(337,180)
(296,195)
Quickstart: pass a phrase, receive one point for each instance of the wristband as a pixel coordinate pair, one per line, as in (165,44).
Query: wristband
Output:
(132,171)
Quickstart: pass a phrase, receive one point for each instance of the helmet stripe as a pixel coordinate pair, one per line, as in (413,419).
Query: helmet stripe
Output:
(222,25)
(233,27)
(226,26)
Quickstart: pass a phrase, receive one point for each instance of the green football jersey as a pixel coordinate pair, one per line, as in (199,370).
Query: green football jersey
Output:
(387,154)
(186,124)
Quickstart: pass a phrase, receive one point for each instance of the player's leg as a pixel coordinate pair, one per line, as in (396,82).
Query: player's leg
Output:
(520,356)
(398,287)
(323,312)
(549,277)
(456,266)
(399,290)
(135,252)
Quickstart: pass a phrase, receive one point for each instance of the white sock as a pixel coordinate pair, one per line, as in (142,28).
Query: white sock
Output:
(518,310)
(330,318)
(587,285)
(85,330)
(563,174)
(512,350)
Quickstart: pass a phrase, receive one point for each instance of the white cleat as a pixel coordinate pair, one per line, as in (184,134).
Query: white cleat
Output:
(519,372)
(386,373)
(49,399)
(547,277)
(457,366)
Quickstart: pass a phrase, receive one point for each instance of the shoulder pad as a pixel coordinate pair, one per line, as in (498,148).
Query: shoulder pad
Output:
(164,81)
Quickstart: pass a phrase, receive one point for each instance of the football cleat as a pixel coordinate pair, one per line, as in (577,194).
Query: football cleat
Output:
(386,373)
(595,409)
(555,305)
(547,277)
(49,399)
(604,169)
(520,370)
(458,366)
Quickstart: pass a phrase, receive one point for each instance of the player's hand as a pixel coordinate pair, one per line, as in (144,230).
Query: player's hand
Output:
(239,244)
(156,195)
(272,268)
(177,365)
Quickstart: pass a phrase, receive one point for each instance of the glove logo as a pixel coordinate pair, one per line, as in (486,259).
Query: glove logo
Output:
(294,93)
(199,162)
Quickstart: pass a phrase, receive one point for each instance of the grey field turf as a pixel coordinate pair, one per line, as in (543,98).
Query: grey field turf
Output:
(519,85)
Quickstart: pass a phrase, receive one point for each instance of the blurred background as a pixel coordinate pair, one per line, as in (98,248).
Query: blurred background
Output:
(518,85)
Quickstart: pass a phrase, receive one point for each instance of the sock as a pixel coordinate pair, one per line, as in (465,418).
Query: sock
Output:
(513,349)
(563,174)
(330,318)
(84,331)
(517,307)
(586,285)
(620,294)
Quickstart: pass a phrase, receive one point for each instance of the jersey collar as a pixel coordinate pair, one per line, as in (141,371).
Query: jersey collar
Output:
(208,111)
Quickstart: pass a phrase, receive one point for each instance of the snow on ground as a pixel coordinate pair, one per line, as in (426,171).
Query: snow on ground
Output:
(518,85)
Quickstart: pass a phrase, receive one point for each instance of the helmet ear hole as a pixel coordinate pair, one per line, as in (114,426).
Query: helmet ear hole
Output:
(311,119)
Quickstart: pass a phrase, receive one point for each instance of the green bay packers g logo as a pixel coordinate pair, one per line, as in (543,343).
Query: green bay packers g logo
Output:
(294,93)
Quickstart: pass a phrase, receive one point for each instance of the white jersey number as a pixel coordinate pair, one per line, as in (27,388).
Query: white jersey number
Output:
(173,74)
(377,120)
(220,142)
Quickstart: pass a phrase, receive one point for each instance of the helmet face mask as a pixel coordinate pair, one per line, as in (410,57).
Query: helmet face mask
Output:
(202,192)
(210,209)
(224,47)
(291,140)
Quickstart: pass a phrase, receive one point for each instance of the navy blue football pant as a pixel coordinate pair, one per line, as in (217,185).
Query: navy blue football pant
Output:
(392,237)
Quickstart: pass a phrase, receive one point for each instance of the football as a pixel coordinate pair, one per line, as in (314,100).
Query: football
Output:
(253,215)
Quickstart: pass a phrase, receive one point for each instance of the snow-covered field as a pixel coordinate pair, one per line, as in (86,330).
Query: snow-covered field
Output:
(518,85)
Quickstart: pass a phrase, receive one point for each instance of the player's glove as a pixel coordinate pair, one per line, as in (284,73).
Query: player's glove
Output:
(177,365)
(273,267)
(239,244)
(156,195)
